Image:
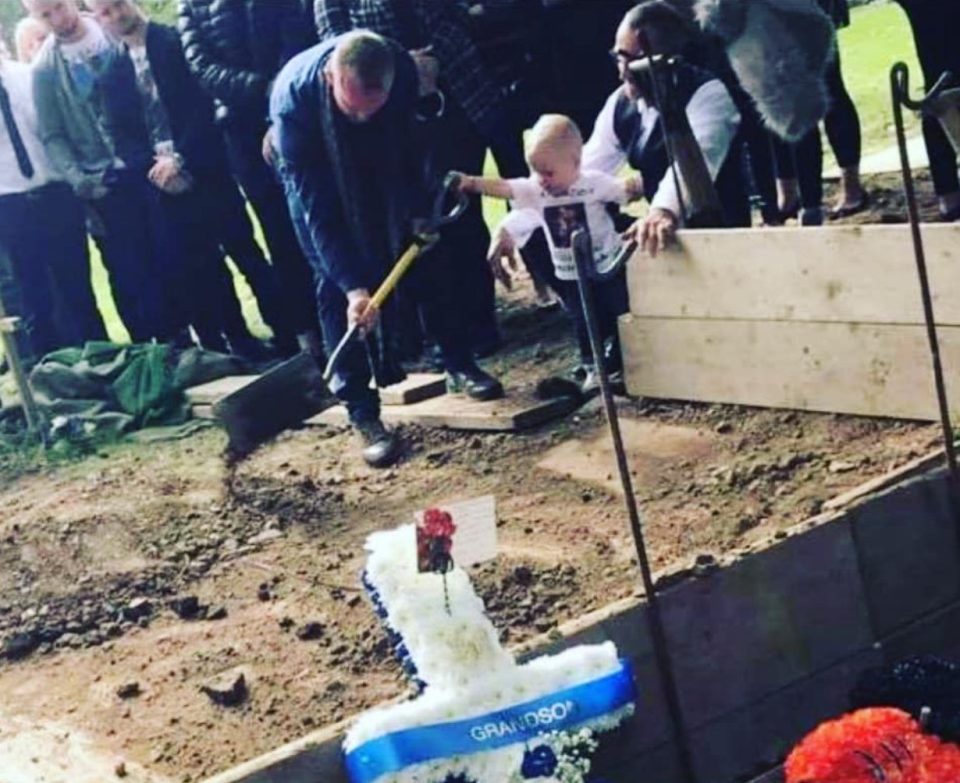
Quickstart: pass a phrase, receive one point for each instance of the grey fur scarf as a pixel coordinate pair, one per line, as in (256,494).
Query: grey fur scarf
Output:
(780,50)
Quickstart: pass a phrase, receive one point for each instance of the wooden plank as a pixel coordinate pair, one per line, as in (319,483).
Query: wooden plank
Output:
(871,370)
(461,413)
(212,392)
(865,274)
(417,387)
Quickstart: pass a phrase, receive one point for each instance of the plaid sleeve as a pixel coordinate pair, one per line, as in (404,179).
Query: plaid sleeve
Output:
(332,18)
(461,66)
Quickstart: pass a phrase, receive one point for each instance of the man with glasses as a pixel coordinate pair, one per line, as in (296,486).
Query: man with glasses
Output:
(629,130)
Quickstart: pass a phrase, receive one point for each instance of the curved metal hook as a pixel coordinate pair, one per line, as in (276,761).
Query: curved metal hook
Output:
(900,82)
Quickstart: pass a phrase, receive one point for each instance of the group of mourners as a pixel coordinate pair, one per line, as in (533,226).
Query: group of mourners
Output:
(335,121)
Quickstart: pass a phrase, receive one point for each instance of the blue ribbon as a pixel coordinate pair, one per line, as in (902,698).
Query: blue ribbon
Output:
(517,724)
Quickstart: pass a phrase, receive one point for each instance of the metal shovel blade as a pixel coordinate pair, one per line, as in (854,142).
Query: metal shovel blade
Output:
(282,397)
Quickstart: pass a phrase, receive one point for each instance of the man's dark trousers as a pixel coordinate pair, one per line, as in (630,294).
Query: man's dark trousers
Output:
(127,252)
(263,191)
(456,146)
(43,232)
(192,274)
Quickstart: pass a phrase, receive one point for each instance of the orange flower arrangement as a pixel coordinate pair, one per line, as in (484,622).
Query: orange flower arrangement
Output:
(875,745)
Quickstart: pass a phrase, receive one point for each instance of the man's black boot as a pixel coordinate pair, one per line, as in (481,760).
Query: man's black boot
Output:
(381,448)
(475,383)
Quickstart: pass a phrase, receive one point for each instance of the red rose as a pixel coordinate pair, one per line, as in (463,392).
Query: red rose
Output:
(438,524)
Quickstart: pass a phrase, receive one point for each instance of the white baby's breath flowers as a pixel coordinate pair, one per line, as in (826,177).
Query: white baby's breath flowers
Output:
(469,675)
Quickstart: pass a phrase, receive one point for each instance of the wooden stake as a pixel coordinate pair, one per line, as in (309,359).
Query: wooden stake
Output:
(9,326)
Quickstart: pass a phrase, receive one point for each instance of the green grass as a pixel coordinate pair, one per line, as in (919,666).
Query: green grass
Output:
(878,36)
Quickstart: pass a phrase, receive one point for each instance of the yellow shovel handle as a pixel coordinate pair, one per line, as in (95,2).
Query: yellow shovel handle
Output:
(399,270)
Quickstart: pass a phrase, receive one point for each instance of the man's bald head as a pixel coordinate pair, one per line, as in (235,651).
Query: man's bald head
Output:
(28,37)
(361,73)
(60,17)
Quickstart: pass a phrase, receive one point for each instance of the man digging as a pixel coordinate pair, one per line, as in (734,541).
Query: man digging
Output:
(343,113)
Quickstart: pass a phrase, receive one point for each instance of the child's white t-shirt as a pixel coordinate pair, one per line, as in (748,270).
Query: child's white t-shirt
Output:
(582,206)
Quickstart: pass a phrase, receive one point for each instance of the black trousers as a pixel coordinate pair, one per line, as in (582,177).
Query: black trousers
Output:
(263,191)
(193,279)
(122,221)
(935,26)
(758,142)
(452,144)
(842,122)
(238,240)
(611,301)
(803,160)
(44,240)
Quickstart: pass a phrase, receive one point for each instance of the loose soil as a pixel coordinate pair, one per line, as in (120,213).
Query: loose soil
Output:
(94,554)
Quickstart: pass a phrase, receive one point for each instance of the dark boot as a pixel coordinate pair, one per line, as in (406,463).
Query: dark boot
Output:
(381,448)
(475,383)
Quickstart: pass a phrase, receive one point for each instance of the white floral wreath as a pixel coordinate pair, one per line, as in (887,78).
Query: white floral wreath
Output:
(481,717)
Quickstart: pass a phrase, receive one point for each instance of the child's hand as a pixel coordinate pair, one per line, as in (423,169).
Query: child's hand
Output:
(634,186)
(502,254)
(465,182)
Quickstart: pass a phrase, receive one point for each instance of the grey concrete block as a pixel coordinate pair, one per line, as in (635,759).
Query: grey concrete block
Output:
(620,763)
(628,629)
(935,634)
(763,733)
(765,622)
(907,547)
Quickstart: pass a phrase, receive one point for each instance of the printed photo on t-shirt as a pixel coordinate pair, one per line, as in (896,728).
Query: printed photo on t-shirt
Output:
(563,221)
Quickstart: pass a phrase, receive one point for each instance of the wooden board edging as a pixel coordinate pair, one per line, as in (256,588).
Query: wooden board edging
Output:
(866,370)
(832,273)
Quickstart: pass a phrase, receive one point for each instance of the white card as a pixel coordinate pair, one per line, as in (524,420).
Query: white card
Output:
(475,539)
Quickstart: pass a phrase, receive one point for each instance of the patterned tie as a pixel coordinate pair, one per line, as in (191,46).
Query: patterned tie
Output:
(23,159)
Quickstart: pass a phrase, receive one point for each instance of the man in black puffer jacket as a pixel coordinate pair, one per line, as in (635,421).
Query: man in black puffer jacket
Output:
(236,48)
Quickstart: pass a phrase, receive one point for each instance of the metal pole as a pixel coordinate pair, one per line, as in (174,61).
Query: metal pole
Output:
(899,85)
(583,253)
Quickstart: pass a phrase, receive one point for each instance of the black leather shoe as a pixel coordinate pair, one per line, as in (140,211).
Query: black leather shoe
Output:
(475,383)
(381,448)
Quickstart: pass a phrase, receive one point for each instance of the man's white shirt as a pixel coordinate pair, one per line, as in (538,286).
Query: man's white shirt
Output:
(18,79)
(713,118)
